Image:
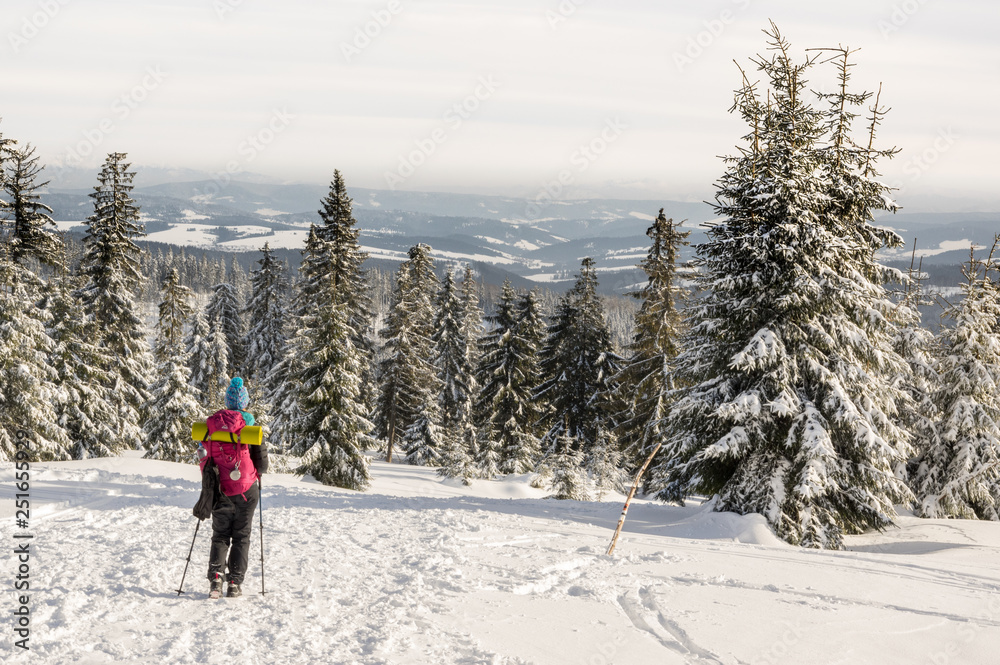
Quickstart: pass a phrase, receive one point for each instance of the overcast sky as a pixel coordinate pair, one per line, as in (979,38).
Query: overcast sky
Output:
(295,89)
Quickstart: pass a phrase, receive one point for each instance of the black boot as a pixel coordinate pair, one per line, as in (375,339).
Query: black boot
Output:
(233,591)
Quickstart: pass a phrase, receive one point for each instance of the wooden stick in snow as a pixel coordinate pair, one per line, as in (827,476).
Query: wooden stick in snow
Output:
(628,499)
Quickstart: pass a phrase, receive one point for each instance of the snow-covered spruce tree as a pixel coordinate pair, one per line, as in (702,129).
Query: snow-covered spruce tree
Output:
(110,268)
(408,381)
(960,475)
(472,323)
(266,316)
(28,393)
(647,377)
(454,372)
(565,464)
(331,433)
(174,404)
(27,216)
(791,405)
(282,392)
(472,332)
(604,464)
(423,441)
(509,374)
(350,279)
(224,315)
(577,362)
(85,408)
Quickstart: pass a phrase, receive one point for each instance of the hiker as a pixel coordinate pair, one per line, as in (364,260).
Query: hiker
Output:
(239,466)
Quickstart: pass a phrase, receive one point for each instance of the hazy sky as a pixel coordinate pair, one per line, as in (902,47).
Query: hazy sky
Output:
(491,97)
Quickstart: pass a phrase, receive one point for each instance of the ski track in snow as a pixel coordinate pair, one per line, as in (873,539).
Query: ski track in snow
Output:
(433,576)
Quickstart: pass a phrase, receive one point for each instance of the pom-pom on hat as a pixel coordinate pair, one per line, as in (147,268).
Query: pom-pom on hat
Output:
(237,398)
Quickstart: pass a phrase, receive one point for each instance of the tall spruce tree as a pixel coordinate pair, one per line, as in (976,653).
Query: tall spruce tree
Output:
(110,267)
(509,374)
(790,411)
(407,379)
(350,280)
(472,331)
(174,403)
(282,390)
(577,364)
(85,407)
(26,215)
(959,476)
(456,336)
(451,357)
(647,378)
(28,390)
(332,431)
(266,316)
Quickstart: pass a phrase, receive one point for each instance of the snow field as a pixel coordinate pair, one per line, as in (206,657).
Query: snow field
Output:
(420,570)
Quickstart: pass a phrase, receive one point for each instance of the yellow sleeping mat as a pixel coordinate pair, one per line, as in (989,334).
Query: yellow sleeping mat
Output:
(250,434)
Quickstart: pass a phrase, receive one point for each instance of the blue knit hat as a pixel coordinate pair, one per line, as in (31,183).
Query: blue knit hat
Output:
(237,398)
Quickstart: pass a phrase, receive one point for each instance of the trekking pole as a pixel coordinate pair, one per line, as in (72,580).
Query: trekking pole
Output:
(628,500)
(260,507)
(180,589)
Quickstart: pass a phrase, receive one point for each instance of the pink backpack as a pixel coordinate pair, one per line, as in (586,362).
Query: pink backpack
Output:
(237,473)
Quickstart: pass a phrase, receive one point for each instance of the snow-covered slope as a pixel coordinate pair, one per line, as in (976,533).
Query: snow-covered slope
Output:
(420,570)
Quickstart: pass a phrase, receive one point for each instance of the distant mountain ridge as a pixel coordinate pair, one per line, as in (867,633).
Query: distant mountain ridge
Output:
(499,235)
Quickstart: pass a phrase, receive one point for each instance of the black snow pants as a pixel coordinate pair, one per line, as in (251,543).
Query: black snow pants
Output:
(232,521)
